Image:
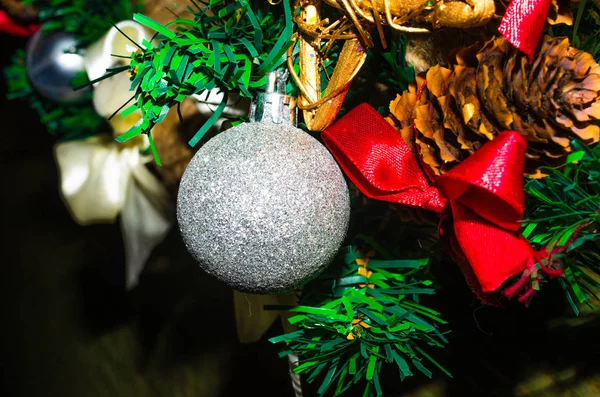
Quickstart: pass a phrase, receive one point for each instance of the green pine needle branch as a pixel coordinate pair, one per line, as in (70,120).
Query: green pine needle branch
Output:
(227,46)
(64,121)
(87,20)
(396,73)
(563,210)
(353,321)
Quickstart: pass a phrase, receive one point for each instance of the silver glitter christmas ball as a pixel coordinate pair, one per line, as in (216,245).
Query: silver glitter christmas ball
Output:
(52,64)
(263,207)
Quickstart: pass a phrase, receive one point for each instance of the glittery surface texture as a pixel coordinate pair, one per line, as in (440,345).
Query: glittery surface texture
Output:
(263,207)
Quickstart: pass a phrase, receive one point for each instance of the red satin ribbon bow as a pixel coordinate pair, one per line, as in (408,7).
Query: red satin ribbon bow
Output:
(481,200)
(523,23)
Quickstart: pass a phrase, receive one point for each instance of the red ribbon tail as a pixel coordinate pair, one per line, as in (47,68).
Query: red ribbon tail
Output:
(523,23)
(487,200)
(542,266)
(452,245)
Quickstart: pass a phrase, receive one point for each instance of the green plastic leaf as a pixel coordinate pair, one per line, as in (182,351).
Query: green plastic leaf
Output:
(132,132)
(428,357)
(348,307)
(153,149)
(289,336)
(529,229)
(574,286)
(374,316)
(422,368)
(385,331)
(394,264)
(352,364)
(403,367)
(371,367)
(329,377)
(340,385)
(376,384)
(582,240)
(150,23)
(282,43)
(209,123)
(570,300)
(316,372)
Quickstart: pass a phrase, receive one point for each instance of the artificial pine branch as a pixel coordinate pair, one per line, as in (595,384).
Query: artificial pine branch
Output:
(226,46)
(356,318)
(64,121)
(396,73)
(563,211)
(87,20)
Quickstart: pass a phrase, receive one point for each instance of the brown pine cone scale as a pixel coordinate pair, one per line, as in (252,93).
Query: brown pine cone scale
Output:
(492,87)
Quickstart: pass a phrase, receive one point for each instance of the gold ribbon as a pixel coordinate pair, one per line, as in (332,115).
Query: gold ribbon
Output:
(321,111)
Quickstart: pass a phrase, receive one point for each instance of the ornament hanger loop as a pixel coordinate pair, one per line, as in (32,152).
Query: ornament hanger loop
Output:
(274,106)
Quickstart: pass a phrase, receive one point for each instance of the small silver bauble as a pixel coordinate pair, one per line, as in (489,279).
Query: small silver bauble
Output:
(52,63)
(263,206)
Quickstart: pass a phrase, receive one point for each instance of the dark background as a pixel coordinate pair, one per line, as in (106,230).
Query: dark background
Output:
(69,328)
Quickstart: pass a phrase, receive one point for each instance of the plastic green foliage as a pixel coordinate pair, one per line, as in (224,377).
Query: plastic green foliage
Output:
(396,72)
(88,20)
(226,46)
(66,122)
(349,326)
(563,210)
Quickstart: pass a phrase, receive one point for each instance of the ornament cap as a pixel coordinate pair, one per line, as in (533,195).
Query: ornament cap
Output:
(274,106)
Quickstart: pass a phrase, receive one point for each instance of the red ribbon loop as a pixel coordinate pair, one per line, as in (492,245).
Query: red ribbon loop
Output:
(378,162)
(481,200)
(523,23)
(490,182)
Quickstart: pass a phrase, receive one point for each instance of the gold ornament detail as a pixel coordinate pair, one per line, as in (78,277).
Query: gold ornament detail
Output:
(317,36)
(419,16)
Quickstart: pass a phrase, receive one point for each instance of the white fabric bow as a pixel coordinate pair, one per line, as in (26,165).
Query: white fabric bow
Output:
(101,179)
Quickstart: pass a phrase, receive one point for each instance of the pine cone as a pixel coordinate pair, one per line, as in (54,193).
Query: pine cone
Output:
(491,88)
(561,12)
